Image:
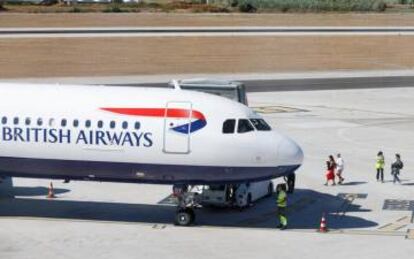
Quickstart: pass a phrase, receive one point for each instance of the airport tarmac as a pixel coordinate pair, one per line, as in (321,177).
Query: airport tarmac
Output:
(366,218)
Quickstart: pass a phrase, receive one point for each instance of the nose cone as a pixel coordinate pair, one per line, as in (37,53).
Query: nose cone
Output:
(289,153)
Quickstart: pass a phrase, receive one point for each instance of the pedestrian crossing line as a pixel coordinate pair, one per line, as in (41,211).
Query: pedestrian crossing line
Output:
(397,225)
(369,232)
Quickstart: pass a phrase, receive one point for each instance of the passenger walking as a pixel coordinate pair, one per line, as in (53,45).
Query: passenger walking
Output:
(281,201)
(380,166)
(340,168)
(396,167)
(330,172)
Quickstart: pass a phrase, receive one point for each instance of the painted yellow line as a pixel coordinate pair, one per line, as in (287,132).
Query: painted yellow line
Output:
(159,226)
(398,224)
(50,219)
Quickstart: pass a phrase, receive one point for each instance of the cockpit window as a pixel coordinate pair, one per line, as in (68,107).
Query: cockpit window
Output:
(244,126)
(260,124)
(228,126)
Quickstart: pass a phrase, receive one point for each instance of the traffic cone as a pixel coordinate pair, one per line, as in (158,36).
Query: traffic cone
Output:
(323,228)
(51,193)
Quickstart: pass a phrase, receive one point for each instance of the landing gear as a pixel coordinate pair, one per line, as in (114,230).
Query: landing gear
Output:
(290,182)
(184,217)
(187,201)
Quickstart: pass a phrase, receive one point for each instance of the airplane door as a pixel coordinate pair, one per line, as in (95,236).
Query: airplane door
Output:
(177,121)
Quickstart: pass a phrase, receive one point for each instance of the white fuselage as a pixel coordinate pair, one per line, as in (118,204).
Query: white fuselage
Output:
(134,134)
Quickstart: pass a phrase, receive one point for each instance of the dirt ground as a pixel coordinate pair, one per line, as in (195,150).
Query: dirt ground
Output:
(143,56)
(50,57)
(165,19)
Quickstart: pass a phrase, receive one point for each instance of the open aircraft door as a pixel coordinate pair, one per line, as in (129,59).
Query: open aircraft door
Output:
(177,121)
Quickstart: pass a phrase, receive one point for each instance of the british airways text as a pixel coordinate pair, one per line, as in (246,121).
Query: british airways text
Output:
(79,137)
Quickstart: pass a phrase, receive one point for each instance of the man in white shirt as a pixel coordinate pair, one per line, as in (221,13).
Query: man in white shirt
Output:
(339,168)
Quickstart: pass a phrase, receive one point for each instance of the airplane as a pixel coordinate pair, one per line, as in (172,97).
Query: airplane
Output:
(138,135)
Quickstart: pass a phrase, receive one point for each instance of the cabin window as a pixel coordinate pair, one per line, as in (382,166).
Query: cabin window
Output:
(75,123)
(100,124)
(88,123)
(228,126)
(64,122)
(39,122)
(4,120)
(112,124)
(16,120)
(27,121)
(125,125)
(260,124)
(244,126)
(51,122)
(137,125)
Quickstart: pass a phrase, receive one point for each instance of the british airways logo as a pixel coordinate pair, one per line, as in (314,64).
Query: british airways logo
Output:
(196,118)
(194,121)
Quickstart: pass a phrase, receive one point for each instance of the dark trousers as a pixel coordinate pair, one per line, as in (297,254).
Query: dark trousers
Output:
(380,173)
(395,172)
(291,183)
(396,178)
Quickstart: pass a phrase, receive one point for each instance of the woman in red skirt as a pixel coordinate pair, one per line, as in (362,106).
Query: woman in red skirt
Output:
(330,172)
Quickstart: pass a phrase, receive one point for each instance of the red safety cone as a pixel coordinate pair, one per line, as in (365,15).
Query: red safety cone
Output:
(51,193)
(323,227)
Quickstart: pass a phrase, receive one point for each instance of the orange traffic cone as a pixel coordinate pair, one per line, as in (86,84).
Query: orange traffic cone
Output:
(323,228)
(51,193)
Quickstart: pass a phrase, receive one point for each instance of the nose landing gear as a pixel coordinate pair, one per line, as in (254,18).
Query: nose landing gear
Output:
(187,201)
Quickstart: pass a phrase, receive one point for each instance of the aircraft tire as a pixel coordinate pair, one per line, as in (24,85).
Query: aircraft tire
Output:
(184,217)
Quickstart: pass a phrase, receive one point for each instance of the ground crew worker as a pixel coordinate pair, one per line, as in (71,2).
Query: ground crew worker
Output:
(281,200)
(396,167)
(380,166)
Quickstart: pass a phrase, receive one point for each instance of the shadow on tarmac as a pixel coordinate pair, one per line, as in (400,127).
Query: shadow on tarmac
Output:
(36,191)
(304,212)
(353,183)
(7,190)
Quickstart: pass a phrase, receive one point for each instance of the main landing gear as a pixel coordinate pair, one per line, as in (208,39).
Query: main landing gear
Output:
(187,201)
